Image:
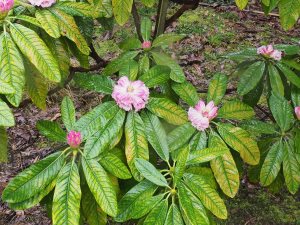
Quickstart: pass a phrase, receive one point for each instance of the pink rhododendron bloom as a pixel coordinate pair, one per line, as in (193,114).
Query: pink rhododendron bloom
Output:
(130,94)
(146,44)
(5,6)
(202,114)
(270,52)
(297,111)
(42,3)
(74,139)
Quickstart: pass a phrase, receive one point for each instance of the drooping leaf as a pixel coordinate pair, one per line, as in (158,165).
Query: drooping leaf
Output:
(236,110)
(168,110)
(187,92)
(67,196)
(51,130)
(272,164)
(156,135)
(156,76)
(217,88)
(167,39)
(252,97)
(136,145)
(241,141)
(275,80)
(3,145)
(122,10)
(144,207)
(68,113)
(100,186)
(158,214)
(290,75)
(34,179)
(205,155)
(174,216)
(6,116)
(181,164)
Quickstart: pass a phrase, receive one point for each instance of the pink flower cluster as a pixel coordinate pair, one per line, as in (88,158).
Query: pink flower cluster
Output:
(201,115)
(6,5)
(270,52)
(42,3)
(146,44)
(297,112)
(130,94)
(74,139)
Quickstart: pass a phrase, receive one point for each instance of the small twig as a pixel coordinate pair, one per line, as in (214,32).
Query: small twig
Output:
(137,21)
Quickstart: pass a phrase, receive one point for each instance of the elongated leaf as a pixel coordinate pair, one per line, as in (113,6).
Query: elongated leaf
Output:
(29,19)
(76,8)
(158,214)
(115,166)
(156,135)
(167,39)
(236,110)
(191,207)
(295,95)
(205,155)
(177,73)
(181,164)
(272,164)
(68,113)
(275,80)
(144,207)
(167,110)
(51,130)
(290,75)
(34,179)
(122,10)
(251,77)
(246,54)
(69,28)
(187,92)
(208,195)
(289,13)
(129,69)
(148,3)
(146,28)
(144,65)
(258,127)
(205,173)
(130,201)
(91,122)
(156,76)
(282,112)
(6,116)
(252,98)
(3,145)
(240,140)
(36,51)
(148,171)
(174,216)
(291,168)
(130,44)
(67,196)
(12,70)
(180,136)
(100,186)
(136,145)
(198,141)
(217,88)
(104,7)
(48,22)
(102,139)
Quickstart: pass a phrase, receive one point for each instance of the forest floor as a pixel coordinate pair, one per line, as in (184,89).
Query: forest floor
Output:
(212,32)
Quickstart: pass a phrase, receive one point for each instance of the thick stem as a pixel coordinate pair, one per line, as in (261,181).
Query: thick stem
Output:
(161,17)
(137,21)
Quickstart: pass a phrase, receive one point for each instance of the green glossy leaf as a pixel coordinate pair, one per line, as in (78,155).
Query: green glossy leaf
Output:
(187,92)
(158,214)
(3,145)
(67,196)
(258,127)
(275,80)
(144,207)
(156,76)
(205,155)
(122,10)
(148,171)
(290,75)
(144,65)
(217,88)
(247,54)
(181,164)
(130,201)
(104,7)
(6,116)
(251,77)
(156,135)
(236,110)
(129,69)
(208,195)
(76,8)
(68,113)
(295,95)
(130,44)
(177,73)
(52,131)
(241,141)
(115,166)
(289,13)
(174,216)
(146,28)
(191,207)
(148,3)
(272,164)
(36,51)
(282,112)
(48,22)
(205,173)
(100,186)
(180,136)
(34,179)
(167,39)
(136,145)
(252,98)
(198,141)
(241,4)
(168,110)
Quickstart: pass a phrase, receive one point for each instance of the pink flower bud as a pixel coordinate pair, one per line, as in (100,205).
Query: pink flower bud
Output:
(74,139)
(5,6)
(146,44)
(130,94)
(269,52)
(297,112)
(202,114)
(42,3)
